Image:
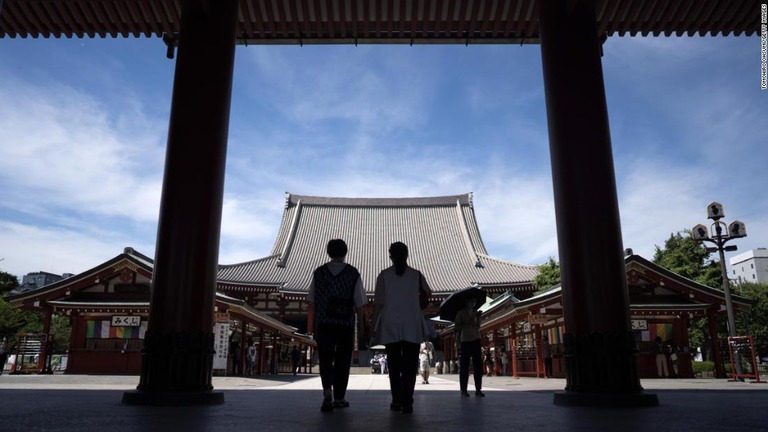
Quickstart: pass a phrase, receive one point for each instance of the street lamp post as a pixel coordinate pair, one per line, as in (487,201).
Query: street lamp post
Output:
(721,236)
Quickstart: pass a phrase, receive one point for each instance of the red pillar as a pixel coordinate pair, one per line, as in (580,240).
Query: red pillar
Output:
(600,347)
(243,345)
(47,315)
(514,357)
(178,347)
(310,320)
(262,351)
(539,342)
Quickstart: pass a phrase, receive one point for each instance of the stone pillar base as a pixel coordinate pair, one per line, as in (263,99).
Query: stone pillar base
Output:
(176,370)
(177,362)
(601,363)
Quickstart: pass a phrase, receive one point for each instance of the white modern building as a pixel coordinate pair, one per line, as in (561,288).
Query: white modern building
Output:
(751,266)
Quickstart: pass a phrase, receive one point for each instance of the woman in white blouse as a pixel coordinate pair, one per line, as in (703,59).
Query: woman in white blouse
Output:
(399,323)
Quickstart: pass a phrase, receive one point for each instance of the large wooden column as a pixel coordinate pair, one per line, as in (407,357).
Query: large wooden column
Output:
(178,349)
(600,350)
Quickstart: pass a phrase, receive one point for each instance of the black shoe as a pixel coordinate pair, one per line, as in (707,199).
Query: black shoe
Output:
(327,406)
(479,394)
(465,394)
(407,409)
(394,406)
(341,403)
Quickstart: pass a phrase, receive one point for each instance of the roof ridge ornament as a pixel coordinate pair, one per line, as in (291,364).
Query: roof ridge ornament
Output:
(171,41)
(465,234)
(291,234)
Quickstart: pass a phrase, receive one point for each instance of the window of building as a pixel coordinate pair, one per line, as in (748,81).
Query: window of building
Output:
(751,266)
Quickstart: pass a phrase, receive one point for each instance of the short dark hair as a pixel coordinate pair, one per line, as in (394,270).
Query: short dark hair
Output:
(337,248)
(398,250)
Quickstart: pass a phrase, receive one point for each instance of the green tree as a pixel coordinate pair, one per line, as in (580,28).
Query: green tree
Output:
(755,322)
(549,276)
(689,258)
(7,282)
(61,331)
(14,321)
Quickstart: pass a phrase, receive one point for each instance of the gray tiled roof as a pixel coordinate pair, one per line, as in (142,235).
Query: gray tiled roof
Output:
(441,233)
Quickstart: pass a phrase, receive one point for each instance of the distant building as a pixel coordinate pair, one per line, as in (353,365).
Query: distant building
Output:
(751,266)
(36,280)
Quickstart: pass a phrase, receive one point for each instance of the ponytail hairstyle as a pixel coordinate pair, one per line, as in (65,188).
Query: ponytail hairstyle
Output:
(398,252)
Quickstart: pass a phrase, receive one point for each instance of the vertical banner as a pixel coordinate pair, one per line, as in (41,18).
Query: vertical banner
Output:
(221,342)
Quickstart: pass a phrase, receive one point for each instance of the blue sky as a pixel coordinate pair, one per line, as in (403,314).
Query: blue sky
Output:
(83,126)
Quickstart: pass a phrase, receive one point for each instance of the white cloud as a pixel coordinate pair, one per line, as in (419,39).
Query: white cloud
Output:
(342,84)
(62,149)
(28,248)
(78,168)
(656,199)
(249,226)
(516,215)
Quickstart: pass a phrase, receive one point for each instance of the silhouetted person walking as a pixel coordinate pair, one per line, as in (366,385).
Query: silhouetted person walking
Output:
(468,327)
(398,324)
(335,294)
(547,352)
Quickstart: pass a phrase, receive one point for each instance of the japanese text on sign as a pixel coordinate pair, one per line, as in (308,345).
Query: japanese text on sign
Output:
(126,321)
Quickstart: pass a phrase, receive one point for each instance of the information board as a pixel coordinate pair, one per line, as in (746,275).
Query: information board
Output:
(221,345)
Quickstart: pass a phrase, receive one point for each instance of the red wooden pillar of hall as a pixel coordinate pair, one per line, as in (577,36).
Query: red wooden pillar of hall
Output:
(600,349)
(177,357)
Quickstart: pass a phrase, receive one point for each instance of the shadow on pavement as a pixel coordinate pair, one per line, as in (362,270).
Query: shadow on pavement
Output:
(298,410)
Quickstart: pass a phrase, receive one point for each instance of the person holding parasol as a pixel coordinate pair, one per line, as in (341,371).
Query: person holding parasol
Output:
(467,321)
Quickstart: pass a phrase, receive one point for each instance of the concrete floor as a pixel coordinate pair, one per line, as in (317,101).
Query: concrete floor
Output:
(287,403)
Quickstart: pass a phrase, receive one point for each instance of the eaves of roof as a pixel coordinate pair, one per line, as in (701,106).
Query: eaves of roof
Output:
(556,291)
(691,284)
(240,306)
(141,261)
(97,304)
(669,306)
(304,22)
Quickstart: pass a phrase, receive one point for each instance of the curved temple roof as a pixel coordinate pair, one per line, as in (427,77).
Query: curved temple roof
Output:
(375,21)
(441,233)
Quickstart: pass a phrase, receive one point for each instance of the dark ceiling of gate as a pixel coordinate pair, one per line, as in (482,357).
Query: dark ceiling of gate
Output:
(375,21)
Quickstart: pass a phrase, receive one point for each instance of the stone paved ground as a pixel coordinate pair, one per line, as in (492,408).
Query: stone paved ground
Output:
(287,403)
